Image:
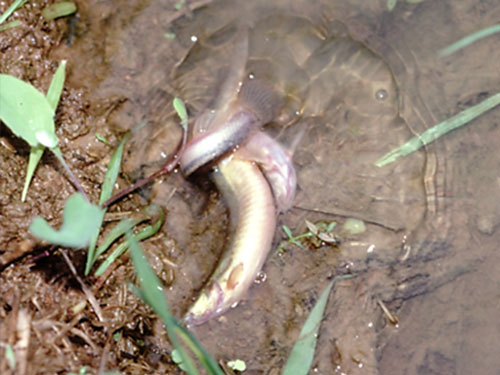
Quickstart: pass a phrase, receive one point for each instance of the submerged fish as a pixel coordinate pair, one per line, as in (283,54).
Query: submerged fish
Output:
(257,180)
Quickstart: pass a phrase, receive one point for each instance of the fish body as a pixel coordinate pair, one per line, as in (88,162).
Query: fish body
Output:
(254,174)
(252,209)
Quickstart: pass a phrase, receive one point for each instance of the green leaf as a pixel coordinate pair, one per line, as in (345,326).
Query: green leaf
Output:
(300,360)
(102,139)
(106,191)
(469,39)
(35,156)
(288,232)
(11,9)
(179,4)
(10,25)
(119,230)
(26,111)
(56,85)
(64,8)
(437,131)
(176,357)
(143,234)
(112,172)
(330,226)
(207,361)
(10,356)
(180,108)
(151,291)
(391,4)
(81,221)
(45,137)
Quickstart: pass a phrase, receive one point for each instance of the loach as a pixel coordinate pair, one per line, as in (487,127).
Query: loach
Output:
(254,174)
(257,180)
(254,201)
(253,213)
(257,103)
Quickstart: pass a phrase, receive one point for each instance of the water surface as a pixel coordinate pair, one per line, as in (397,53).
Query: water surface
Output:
(362,80)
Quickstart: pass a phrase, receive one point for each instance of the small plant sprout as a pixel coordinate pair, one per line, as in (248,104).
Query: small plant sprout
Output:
(102,139)
(30,116)
(317,235)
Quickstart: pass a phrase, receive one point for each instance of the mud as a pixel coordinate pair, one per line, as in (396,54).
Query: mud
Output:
(429,250)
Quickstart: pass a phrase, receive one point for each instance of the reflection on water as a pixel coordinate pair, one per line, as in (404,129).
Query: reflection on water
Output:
(361,87)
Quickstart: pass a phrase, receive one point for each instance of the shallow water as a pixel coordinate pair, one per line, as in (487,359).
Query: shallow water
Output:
(361,87)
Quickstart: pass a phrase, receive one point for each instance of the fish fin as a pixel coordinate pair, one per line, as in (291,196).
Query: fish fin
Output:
(261,98)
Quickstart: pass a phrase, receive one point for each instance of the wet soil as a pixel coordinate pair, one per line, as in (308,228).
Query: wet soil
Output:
(428,254)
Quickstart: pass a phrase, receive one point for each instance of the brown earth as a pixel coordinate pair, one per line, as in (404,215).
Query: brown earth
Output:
(433,217)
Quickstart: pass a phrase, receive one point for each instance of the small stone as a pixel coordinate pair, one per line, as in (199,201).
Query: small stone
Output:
(487,224)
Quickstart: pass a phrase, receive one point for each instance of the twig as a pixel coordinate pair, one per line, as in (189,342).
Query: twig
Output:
(167,168)
(88,293)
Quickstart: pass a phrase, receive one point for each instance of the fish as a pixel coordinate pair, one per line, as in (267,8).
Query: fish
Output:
(257,181)
(218,135)
(253,214)
(254,174)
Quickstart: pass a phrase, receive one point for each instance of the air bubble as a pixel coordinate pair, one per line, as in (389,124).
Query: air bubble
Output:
(381,94)
(260,278)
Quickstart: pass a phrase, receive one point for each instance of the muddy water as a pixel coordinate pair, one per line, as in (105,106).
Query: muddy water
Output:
(360,87)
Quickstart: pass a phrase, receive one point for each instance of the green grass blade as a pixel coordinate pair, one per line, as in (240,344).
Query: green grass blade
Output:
(106,191)
(56,85)
(16,4)
(207,361)
(151,291)
(10,25)
(119,230)
(472,38)
(439,130)
(102,139)
(35,156)
(112,172)
(143,234)
(301,357)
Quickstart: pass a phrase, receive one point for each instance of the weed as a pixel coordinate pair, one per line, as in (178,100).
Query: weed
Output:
(317,235)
